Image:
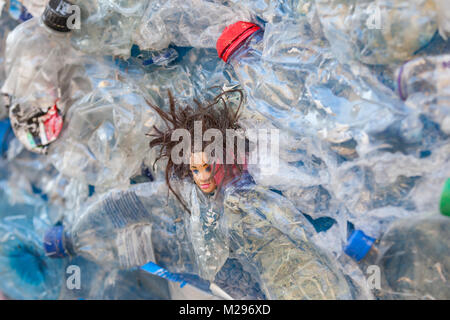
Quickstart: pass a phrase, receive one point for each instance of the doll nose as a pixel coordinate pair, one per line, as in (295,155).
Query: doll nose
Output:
(205,176)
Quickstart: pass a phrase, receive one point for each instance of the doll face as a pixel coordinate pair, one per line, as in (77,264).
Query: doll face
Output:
(202,172)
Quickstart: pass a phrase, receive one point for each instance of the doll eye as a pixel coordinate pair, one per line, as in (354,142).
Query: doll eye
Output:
(195,171)
(208,169)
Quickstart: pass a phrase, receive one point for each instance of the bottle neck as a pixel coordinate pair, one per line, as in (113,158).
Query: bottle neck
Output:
(371,257)
(52,32)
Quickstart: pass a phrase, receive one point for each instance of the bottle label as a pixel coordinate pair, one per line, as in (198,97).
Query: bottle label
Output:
(163,273)
(64,8)
(37,131)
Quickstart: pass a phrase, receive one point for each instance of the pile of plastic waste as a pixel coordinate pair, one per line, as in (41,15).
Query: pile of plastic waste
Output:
(341,109)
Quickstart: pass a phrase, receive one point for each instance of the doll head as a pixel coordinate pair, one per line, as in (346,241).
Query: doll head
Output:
(208,170)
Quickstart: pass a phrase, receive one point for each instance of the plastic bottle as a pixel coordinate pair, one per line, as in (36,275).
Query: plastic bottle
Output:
(25,271)
(104,142)
(410,259)
(185,23)
(108,27)
(118,229)
(44,76)
(377,32)
(425,85)
(7,23)
(443,11)
(19,11)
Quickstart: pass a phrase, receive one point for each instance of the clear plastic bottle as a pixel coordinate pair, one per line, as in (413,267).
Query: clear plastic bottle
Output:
(184,23)
(410,260)
(425,85)
(7,23)
(107,27)
(124,229)
(25,271)
(377,32)
(44,76)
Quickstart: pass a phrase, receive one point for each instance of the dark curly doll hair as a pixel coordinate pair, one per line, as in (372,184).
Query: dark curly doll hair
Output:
(212,115)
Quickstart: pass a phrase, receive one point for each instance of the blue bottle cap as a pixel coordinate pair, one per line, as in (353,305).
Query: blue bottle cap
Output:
(358,244)
(54,242)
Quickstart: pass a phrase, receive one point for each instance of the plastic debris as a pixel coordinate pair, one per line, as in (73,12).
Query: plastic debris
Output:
(350,97)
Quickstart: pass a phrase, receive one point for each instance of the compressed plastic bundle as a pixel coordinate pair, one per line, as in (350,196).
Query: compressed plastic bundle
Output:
(340,149)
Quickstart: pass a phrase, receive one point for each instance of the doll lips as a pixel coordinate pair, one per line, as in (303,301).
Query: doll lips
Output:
(205,186)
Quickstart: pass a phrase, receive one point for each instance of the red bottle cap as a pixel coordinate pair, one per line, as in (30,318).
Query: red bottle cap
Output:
(233,36)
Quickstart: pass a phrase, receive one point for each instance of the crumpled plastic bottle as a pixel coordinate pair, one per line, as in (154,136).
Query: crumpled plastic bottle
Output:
(275,11)
(107,27)
(425,85)
(7,23)
(104,142)
(25,271)
(411,258)
(118,229)
(274,240)
(185,23)
(44,76)
(377,31)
